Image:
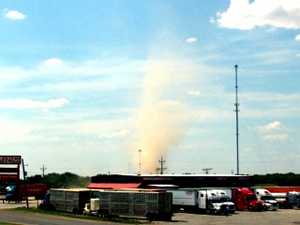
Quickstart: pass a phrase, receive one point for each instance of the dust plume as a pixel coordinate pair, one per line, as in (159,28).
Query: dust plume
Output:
(162,118)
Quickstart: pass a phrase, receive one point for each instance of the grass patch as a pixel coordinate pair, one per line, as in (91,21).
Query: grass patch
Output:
(70,215)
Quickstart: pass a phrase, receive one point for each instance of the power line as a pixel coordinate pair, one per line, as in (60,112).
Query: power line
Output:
(140,161)
(206,170)
(161,168)
(43,169)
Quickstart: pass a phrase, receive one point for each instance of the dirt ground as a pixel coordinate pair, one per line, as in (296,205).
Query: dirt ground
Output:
(280,217)
(11,205)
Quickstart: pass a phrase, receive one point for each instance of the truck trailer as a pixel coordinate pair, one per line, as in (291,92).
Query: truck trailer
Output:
(154,205)
(69,200)
(203,200)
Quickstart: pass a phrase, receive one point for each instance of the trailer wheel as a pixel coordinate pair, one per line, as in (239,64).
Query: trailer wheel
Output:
(168,217)
(75,211)
(151,216)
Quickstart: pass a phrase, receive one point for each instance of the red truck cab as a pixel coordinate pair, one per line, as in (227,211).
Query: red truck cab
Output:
(245,199)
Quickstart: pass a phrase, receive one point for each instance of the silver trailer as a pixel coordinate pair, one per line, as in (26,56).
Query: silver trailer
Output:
(154,205)
(187,199)
(69,200)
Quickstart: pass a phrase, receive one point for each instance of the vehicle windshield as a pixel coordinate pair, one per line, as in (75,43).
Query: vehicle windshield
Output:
(221,199)
(215,200)
(225,199)
(267,197)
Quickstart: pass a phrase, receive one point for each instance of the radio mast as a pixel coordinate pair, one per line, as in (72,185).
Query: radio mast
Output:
(236,104)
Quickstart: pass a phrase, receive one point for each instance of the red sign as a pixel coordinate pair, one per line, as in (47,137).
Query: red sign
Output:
(10,159)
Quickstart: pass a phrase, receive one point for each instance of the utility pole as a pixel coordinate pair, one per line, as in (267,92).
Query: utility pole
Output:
(206,170)
(25,183)
(236,104)
(140,162)
(161,168)
(43,169)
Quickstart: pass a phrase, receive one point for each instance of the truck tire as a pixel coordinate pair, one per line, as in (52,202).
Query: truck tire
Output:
(151,216)
(167,217)
(75,211)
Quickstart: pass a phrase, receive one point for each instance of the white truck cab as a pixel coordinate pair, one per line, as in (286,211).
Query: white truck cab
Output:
(268,199)
(205,200)
(215,201)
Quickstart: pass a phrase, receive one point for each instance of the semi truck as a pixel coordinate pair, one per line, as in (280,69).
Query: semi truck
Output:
(268,199)
(203,200)
(245,199)
(281,194)
(154,205)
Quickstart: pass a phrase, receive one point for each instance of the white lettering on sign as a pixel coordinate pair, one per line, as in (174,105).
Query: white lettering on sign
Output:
(10,159)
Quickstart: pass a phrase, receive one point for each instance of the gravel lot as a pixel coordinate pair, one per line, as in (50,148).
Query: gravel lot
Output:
(11,205)
(280,217)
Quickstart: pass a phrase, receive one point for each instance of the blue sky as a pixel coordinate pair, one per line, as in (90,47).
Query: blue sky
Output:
(84,85)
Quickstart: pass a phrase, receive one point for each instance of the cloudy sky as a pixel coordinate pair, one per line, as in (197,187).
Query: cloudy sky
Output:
(78,86)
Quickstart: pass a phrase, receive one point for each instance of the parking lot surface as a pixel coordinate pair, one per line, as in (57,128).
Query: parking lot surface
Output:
(280,217)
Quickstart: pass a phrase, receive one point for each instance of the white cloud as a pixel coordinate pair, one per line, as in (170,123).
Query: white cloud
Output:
(273,131)
(52,62)
(12,131)
(191,40)
(74,86)
(297,38)
(291,98)
(32,104)
(105,129)
(194,93)
(207,114)
(276,137)
(105,70)
(275,56)
(14,15)
(95,67)
(275,125)
(10,74)
(254,105)
(246,15)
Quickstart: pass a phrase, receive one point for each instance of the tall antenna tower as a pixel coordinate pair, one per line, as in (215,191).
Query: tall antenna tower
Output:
(236,104)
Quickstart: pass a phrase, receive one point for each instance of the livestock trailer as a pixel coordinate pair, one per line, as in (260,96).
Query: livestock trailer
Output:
(155,205)
(69,200)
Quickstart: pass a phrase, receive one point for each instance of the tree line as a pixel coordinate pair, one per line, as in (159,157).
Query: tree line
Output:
(69,180)
(64,180)
(280,179)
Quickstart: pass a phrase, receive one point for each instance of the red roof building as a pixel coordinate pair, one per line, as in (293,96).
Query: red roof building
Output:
(113,185)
